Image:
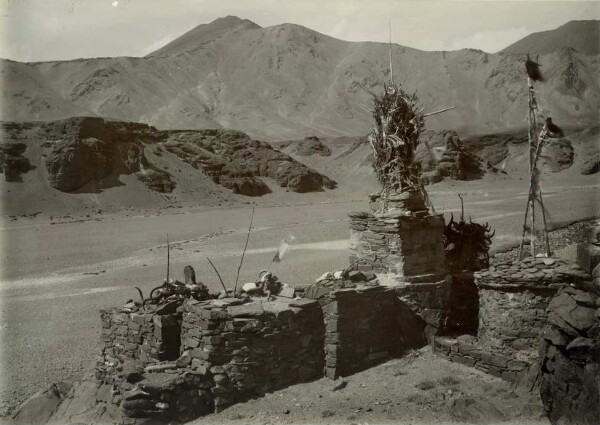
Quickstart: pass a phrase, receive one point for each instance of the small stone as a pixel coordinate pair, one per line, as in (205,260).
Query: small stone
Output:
(184,361)
(531,270)
(327,413)
(325,276)
(549,261)
(162,406)
(356,276)
(369,276)
(249,287)
(287,292)
(340,385)
(190,275)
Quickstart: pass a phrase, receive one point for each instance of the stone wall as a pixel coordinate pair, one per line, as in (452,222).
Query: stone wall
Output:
(249,349)
(466,350)
(409,245)
(361,327)
(513,297)
(570,357)
(134,339)
(423,310)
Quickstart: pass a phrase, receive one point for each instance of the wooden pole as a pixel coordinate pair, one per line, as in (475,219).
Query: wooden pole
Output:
(532,149)
(438,112)
(168,258)
(536,140)
(390,48)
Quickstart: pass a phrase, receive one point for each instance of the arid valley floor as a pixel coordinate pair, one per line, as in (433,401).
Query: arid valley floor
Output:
(63,270)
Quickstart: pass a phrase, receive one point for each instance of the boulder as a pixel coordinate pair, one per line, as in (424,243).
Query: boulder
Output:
(312,146)
(40,407)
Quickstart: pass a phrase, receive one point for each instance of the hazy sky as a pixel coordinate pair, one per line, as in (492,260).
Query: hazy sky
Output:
(35,30)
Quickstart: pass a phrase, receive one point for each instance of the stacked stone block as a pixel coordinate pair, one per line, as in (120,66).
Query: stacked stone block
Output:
(249,349)
(570,356)
(361,327)
(142,336)
(423,309)
(513,297)
(408,245)
(467,350)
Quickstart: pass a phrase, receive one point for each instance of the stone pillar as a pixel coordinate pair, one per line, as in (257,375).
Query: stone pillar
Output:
(408,246)
(404,247)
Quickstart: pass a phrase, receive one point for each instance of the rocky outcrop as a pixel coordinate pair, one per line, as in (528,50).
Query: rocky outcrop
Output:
(442,156)
(89,154)
(312,146)
(12,161)
(557,154)
(570,357)
(91,150)
(234,160)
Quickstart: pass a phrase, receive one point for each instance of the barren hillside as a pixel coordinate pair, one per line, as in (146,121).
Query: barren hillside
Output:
(287,81)
(583,36)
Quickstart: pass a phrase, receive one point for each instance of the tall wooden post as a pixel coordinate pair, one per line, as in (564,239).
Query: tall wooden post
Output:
(536,140)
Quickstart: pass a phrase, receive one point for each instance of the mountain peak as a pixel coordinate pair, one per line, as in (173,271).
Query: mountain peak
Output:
(583,36)
(232,21)
(205,33)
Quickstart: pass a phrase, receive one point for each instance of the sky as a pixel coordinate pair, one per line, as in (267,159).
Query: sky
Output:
(41,30)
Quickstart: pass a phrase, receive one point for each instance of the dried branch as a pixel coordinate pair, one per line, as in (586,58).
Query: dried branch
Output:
(218,274)
(244,252)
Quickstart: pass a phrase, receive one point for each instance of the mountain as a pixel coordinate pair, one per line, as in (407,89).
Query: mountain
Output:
(583,36)
(288,82)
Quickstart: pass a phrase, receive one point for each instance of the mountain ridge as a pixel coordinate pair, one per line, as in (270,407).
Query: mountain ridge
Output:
(287,81)
(582,35)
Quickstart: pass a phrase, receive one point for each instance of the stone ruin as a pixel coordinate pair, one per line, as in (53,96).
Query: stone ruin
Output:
(513,298)
(186,354)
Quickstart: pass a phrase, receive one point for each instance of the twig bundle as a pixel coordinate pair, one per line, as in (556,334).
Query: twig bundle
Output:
(394,139)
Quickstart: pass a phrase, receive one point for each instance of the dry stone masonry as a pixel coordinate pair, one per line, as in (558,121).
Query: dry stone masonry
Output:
(361,329)
(570,357)
(513,298)
(252,348)
(190,358)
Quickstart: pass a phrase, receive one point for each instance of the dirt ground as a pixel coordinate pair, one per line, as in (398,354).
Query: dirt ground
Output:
(418,388)
(57,272)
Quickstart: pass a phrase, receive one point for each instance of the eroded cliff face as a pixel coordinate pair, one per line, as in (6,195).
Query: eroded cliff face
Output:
(570,357)
(89,154)
(89,151)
